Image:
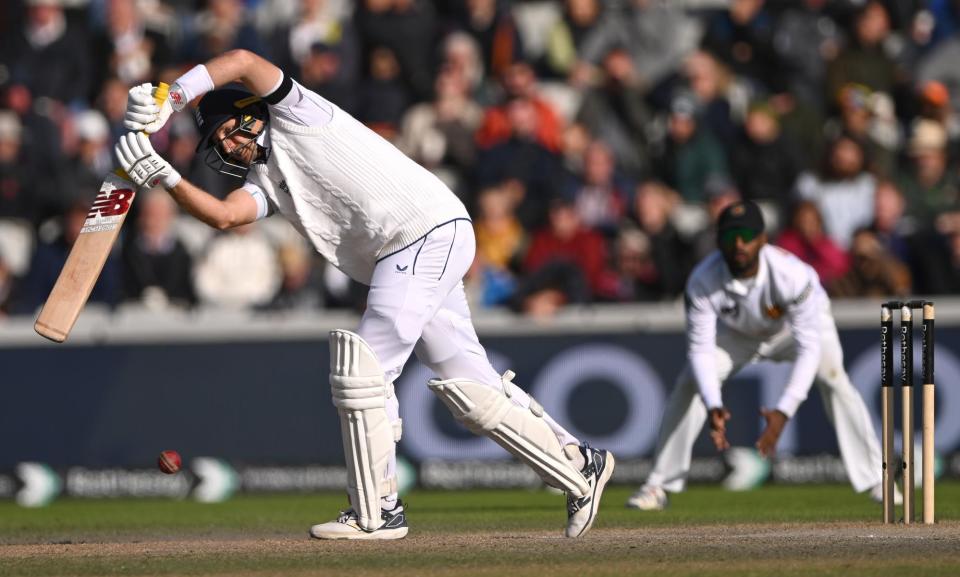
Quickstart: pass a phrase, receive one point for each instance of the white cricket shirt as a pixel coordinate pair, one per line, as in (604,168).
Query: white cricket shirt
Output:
(785,295)
(351,193)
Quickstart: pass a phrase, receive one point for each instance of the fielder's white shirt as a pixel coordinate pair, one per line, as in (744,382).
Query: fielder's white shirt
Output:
(351,193)
(785,295)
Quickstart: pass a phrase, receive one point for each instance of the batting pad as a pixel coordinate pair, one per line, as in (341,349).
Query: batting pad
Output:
(360,394)
(523,432)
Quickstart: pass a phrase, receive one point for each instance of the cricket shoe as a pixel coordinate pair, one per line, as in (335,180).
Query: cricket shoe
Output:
(876,494)
(346,526)
(648,498)
(581,511)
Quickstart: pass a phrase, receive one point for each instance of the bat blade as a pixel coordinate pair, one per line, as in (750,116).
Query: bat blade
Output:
(86,259)
(90,251)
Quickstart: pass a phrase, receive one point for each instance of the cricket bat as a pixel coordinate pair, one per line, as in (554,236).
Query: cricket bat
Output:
(89,252)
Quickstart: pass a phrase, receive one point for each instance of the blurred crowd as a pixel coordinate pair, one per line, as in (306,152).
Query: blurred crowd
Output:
(593,141)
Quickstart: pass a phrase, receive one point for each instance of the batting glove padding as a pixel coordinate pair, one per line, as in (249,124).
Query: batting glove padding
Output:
(143,112)
(142,163)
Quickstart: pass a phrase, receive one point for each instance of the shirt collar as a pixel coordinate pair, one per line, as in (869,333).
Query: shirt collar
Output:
(742,287)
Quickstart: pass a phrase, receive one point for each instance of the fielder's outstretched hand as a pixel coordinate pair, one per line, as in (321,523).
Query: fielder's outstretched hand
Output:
(776,420)
(718,428)
(142,163)
(143,113)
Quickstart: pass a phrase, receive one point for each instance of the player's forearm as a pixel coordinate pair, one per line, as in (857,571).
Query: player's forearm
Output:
(203,206)
(704,370)
(256,73)
(802,375)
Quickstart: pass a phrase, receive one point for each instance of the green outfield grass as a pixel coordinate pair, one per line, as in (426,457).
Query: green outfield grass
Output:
(776,530)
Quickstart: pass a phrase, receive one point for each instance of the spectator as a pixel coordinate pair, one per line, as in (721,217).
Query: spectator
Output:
(600,195)
(891,226)
(112,102)
(940,64)
(690,155)
(709,83)
(300,286)
(565,38)
(764,164)
(408,29)
(520,81)
(929,187)
(323,47)
(48,260)
(576,140)
(439,134)
(940,265)
(805,40)
(633,263)
(874,272)
(615,112)
(935,104)
(238,270)
(462,53)
(802,124)
(223,25)
(18,174)
(866,60)
(657,35)
(127,49)
(652,208)
(156,264)
(869,117)
(566,263)
(91,161)
(806,238)
(492,25)
(383,97)
(44,39)
(525,162)
(842,190)
(501,241)
(324,71)
(742,37)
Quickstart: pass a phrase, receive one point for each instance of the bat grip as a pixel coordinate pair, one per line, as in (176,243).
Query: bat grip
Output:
(159,95)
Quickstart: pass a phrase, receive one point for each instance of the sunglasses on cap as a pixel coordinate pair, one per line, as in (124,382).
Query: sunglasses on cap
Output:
(729,237)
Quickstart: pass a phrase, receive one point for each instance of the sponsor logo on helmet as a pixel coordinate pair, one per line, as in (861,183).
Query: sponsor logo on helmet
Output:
(245,102)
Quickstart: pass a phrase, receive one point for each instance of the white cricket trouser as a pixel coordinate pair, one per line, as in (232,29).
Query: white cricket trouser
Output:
(686,413)
(417,303)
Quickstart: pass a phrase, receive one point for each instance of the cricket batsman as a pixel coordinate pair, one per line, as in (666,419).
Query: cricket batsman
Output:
(747,302)
(386,222)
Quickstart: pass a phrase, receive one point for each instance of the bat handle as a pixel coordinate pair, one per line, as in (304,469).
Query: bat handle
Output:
(160,94)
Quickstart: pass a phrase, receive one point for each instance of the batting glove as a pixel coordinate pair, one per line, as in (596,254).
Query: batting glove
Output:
(142,163)
(143,113)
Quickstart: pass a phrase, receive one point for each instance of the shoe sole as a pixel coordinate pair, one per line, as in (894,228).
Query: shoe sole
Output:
(379,535)
(598,493)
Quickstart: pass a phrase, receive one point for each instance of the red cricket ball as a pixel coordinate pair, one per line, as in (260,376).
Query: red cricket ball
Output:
(169,462)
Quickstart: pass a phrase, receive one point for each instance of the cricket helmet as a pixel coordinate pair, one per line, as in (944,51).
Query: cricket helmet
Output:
(219,106)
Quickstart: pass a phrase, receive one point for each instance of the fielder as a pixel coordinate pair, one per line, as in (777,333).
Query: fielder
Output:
(386,222)
(745,303)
